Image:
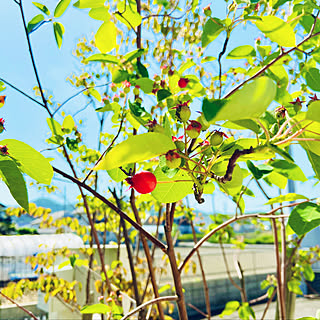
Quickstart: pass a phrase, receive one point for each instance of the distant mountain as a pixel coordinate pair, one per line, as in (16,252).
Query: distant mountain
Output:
(53,205)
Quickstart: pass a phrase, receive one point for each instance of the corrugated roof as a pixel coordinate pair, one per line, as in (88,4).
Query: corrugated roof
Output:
(26,245)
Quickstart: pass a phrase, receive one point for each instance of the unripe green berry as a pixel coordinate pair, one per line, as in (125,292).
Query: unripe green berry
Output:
(136,91)
(180,145)
(183,113)
(173,159)
(216,138)
(193,129)
(126,89)
(122,94)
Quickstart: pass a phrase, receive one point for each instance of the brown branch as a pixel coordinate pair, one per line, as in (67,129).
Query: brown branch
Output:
(154,240)
(174,268)
(223,51)
(231,165)
(129,252)
(142,306)
(268,215)
(19,306)
(268,304)
(198,310)
(204,280)
(267,66)
(147,254)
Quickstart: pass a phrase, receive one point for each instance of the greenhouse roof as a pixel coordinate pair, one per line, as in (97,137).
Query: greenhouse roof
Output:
(26,245)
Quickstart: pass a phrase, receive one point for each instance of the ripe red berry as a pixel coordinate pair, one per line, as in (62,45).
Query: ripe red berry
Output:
(143,182)
(183,82)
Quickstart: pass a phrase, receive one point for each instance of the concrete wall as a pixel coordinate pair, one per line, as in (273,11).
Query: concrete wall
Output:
(14,313)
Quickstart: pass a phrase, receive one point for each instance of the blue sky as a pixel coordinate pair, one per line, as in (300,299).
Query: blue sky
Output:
(25,120)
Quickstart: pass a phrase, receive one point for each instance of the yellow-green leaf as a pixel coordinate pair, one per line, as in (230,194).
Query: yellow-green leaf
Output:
(277,30)
(136,148)
(106,37)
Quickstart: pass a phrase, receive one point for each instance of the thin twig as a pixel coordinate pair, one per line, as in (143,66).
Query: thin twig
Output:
(154,240)
(224,48)
(19,306)
(268,215)
(22,92)
(153,301)
(107,149)
(76,94)
(267,66)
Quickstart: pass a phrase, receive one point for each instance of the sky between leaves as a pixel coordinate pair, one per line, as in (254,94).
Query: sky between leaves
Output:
(25,120)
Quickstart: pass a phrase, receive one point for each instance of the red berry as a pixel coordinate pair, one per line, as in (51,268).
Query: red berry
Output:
(143,182)
(183,82)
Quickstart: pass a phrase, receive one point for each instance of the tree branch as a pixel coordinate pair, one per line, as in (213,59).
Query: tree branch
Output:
(142,306)
(154,240)
(231,165)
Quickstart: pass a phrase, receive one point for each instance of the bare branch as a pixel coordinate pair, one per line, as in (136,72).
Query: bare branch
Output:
(153,301)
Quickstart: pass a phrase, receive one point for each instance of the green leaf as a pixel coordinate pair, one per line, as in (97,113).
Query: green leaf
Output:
(242,52)
(245,312)
(315,162)
(86,4)
(276,179)
(313,112)
(30,161)
(281,152)
(258,171)
(142,70)
(208,59)
(106,37)
(42,7)
(134,55)
(61,8)
(185,66)
(145,84)
(286,197)
(313,79)
(163,94)
(58,29)
(289,170)
(68,124)
(307,318)
(243,124)
(100,13)
(55,127)
(171,191)
(211,31)
(230,308)
(94,93)
(64,264)
(249,102)
(34,22)
(96,308)
(14,180)
(119,75)
(277,30)
(308,272)
(294,286)
(117,175)
(136,148)
(304,217)
(103,57)
(127,13)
